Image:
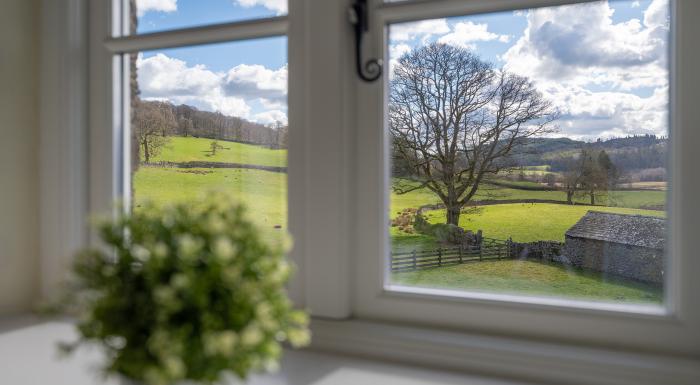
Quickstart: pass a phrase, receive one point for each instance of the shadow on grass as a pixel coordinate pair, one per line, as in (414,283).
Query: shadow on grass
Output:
(527,277)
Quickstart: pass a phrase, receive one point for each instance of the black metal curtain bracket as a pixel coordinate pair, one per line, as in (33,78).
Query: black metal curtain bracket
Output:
(359,18)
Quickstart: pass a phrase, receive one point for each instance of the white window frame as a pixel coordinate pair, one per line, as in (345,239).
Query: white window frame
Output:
(338,197)
(310,54)
(674,328)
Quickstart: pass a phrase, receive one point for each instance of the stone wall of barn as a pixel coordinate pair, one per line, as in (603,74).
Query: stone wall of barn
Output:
(640,263)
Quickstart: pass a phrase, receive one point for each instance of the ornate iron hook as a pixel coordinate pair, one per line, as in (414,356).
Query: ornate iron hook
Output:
(358,15)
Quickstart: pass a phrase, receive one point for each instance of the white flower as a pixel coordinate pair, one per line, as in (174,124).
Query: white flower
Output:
(188,245)
(299,317)
(222,343)
(227,341)
(251,336)
(299,337)
(180,281)
(281,273)
(264,314)
(140,253)
(215,224)
(271,365)
(223,248)
(174,366)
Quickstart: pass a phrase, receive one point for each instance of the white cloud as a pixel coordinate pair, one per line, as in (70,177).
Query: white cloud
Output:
(398,50)
(423,29)
(657,15)
(635,4)
(588,115)
(164,78)
(594,70)
(257,82)
(395,52)
(581,42)
(465,34)
(143,6)
(271,117)
(279,6)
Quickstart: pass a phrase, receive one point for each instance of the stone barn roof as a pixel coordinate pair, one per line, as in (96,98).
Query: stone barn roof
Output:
(635,230)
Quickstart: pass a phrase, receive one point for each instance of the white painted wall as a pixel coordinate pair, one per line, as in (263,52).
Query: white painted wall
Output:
(18,155)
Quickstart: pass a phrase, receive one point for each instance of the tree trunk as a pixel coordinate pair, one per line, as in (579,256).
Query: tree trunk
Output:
(146,155)
(452,214)
(569,197)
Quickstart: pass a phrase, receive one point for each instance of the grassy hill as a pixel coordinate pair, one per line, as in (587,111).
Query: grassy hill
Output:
(265,193)
(636,199)
(188,149)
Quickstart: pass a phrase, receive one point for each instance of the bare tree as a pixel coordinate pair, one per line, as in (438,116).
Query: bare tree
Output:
(572,176)
(599,173)
(550,179)
(454,120)
(152,123)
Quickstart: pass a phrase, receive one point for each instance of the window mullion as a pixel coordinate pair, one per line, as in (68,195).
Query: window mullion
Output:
(230,32)
(402,11)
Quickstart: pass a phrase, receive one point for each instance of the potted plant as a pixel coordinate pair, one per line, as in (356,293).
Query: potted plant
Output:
(185,292)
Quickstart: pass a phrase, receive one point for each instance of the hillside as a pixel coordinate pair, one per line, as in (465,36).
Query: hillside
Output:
(185,120)
(630,153)
(179,149)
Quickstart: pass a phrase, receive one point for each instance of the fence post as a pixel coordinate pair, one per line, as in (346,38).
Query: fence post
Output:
(439,256)
(460,254)
(510,247)
(414,259)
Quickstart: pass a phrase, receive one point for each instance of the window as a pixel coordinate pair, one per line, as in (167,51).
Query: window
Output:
(607,252)
(212,117)
(192,110)
(340,161)
(528,151)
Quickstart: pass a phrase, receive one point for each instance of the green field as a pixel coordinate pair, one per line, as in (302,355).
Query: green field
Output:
(628,199)
(528,222)
(533,278)
(523,222)
(179,149)
(265,192)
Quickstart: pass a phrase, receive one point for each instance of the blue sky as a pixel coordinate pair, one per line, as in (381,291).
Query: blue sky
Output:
(159,15)
(603,64)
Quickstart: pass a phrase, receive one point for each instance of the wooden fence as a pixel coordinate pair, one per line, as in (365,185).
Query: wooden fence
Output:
(421,259)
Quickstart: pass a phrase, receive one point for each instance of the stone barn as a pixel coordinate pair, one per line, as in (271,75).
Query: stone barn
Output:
(630,246)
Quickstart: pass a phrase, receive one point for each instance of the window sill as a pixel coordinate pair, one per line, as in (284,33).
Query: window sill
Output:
(502,356)
(28,356)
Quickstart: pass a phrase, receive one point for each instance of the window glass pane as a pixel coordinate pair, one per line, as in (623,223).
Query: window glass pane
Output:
(529,151)
(210,118)
(162,15)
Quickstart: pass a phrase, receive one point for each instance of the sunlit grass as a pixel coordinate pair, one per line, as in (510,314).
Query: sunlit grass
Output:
(532,278)
(528,222)
(263,192)
(188,149)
